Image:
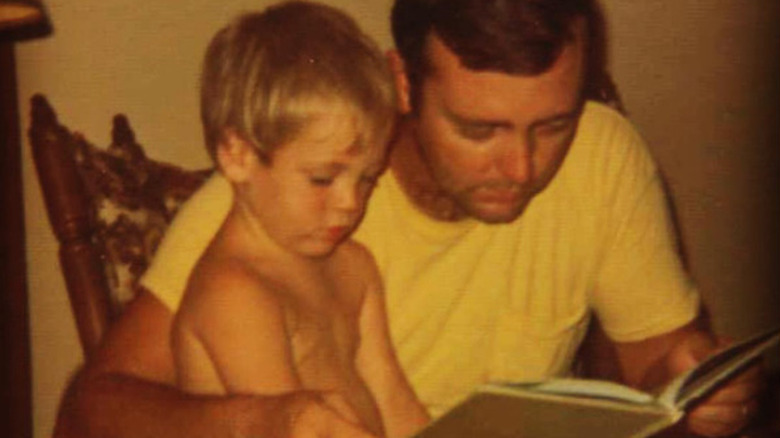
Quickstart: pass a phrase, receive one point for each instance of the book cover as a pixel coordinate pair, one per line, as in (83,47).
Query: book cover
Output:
(563,408)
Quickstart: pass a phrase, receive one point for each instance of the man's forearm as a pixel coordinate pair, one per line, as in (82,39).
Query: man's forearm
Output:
(117,406)
(645,364)
(126,390)
(113,405)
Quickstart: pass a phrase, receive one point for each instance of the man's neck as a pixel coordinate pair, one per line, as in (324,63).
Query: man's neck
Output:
(414,176)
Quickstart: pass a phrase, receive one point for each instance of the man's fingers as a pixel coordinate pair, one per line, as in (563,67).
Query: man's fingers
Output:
(729,409)
(721,420)
(712,429)
(725,413)
(692,351)
(742,389)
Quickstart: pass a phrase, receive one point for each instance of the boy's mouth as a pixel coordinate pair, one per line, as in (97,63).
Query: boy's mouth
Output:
(337,232)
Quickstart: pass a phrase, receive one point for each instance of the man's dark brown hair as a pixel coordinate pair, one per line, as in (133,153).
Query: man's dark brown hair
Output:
(519,37)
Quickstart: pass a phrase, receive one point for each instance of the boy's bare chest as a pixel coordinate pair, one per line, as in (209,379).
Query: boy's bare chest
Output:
(322,316)
(322,324)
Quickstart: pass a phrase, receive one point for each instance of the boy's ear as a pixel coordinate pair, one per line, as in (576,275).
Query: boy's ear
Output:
(235,157)
(398,68)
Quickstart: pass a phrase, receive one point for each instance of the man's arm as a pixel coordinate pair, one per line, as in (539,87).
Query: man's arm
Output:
(642,283)
(127,390)
(654,361)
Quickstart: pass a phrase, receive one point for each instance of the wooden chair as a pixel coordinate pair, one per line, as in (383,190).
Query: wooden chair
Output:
(108,209)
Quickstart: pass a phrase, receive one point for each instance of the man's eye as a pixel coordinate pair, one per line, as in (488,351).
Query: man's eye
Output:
(476,132)
(553,128)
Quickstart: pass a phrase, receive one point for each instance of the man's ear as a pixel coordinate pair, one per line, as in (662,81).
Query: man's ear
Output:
(398,68)
(235,157)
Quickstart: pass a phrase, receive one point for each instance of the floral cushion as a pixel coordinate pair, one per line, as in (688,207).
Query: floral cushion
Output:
(134,199)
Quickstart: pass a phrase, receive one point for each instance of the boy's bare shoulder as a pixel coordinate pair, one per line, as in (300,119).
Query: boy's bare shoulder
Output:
(227,286)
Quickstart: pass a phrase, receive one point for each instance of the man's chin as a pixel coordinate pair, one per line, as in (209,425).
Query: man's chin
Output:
(496,213)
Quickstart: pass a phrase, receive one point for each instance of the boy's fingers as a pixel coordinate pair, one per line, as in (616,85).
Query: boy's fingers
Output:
(325,415)
(340,405)
(343,429)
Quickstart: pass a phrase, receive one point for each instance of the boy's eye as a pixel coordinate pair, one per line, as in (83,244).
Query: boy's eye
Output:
(368,180)
(321,181)
(371,177)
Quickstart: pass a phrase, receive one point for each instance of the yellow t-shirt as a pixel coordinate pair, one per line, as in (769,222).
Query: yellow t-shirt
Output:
(470,302)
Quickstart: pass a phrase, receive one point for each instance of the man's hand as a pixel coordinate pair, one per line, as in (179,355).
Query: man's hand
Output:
(729,409)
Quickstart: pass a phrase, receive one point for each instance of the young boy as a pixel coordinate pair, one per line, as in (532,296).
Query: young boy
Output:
(297,107)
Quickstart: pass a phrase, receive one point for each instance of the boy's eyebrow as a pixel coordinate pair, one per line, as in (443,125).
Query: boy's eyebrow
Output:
(353,147)
(334,166)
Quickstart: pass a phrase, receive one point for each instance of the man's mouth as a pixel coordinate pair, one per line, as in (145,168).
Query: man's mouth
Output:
(498,195)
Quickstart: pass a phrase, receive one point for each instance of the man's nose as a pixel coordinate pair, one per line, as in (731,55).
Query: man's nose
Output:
(515,161)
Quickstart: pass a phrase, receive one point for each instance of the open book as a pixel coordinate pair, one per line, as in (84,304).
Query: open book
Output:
(564,408)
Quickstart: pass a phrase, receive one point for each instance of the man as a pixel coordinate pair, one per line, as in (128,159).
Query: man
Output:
(511,210)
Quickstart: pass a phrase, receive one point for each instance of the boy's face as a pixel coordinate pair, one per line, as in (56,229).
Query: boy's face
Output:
(492,141)
(313,194)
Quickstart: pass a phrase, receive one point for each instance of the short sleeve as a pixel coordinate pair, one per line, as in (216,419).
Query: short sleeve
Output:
(642,288)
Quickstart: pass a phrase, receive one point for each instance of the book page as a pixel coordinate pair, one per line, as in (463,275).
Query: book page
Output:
(590,388)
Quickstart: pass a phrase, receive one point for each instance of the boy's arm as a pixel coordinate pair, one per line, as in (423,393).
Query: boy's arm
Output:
(402,413)
(127,390)
(230,335)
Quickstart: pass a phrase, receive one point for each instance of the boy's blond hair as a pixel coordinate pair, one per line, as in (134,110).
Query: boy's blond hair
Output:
(266,74)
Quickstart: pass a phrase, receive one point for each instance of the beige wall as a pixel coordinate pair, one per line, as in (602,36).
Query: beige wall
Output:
(702,81)
(692,78)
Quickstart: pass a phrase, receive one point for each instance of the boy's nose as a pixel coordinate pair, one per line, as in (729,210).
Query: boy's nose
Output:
(346,199)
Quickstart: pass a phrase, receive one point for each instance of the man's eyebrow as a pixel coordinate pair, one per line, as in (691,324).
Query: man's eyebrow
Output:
(565,116)
(465,121)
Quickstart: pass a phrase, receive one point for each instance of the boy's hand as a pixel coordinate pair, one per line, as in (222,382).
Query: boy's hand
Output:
(730,408)
(321,415)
